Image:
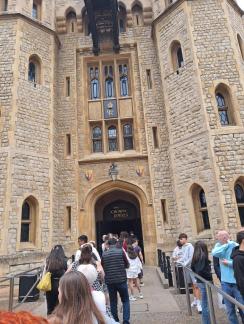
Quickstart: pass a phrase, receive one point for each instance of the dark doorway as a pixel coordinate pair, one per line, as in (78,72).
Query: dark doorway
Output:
(117,216)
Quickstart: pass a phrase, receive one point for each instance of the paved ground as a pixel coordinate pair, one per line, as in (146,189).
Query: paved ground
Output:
(159,305)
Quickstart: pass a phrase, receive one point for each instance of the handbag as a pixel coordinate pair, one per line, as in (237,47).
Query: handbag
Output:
(45,282)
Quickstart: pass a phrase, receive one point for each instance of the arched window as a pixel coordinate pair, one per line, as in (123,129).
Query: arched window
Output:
(241,45)
(224,105)
(137,13)
(122,18)
(85,23)
(28,221)
(124,84)
(34,69)
(239,193)
(97,139)
(176,55)
(94,82)
(223,109)
(200,208)
(112,139)
(109,81)
(71,21)
(36,9)
(128,137)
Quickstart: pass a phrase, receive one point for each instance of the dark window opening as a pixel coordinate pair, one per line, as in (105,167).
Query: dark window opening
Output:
(180,59)
(149,79)
(204,210)
(32,72)
(222,109)
(128,137)
(67,86)
(112,139)
(239,193)
(155,137)
(94,83)
(97,139)
(164,211)
(124,84)
(68,144)
(25,223)
(68,218)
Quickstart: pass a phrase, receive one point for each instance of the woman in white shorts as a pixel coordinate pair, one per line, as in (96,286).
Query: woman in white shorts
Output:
(133,272)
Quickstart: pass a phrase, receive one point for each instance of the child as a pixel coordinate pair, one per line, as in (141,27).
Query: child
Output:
(133,271)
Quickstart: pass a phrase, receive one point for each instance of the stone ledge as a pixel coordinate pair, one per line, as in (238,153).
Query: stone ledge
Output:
(163,281)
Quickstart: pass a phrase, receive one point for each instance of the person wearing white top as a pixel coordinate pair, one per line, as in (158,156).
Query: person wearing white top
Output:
(83,239)
(133,272)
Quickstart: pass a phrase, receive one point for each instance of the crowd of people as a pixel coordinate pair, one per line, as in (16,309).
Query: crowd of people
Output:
(85,290)
(228,263)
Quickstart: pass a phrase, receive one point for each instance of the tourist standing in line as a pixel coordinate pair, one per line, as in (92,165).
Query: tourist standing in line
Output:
(83,239)
(56,264)
(133,272)
(114,262)
(238,261)
(177,253)
(222,250)
(76,305)
(201,265)
(138,251)
(185,260)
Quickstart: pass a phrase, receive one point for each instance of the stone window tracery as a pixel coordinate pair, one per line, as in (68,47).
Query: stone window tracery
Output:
(97,139)
(239,194)
(94,82)
(223,109)
(124,85)
(224,105)
(128,137)
(112,138)
(109,81)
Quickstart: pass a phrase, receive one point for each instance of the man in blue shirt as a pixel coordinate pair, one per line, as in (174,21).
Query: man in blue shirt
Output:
(223,250)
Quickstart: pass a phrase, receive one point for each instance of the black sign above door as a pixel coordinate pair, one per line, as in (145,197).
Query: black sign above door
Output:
(119,211)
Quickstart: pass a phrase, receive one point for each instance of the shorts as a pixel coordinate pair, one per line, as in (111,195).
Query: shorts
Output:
(132,274)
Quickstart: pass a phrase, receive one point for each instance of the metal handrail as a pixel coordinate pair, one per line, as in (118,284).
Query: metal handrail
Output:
(209,287)
(11,278)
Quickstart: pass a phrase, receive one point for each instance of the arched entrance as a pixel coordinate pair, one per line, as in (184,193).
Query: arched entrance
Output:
(110,191)
(118,211)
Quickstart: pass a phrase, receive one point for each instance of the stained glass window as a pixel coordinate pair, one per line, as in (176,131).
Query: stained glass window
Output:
(223,109)
(94,83)
(124,84)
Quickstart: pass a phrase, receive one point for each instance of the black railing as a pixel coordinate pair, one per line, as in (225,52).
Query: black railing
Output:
(165,266)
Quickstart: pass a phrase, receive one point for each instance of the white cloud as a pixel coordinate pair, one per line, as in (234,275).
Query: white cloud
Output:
(240,3)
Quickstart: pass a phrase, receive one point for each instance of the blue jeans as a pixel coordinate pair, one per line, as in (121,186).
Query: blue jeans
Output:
(232,290)
(204,304)
(122,289)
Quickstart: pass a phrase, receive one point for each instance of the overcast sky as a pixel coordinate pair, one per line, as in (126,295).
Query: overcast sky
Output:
(241,3)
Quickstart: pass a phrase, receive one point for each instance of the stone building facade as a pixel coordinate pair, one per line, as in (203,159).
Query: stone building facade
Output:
(161,112)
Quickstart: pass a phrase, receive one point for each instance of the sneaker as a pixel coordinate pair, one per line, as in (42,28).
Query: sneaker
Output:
(194,303)
(140,296)
(142,284)
(132,298)
(199,308)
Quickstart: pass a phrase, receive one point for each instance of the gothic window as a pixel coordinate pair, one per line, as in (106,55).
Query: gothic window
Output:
(241,45)
(124,84)
(36,9)
(109,81)
(122,19)
(128,137)
(222,109)
(204,209)
(200,208)
(97,139)
(112,139)
(28,218)
(137,13)
(94,83)
(34,69)
(71,21)
(239,193)
(176,55)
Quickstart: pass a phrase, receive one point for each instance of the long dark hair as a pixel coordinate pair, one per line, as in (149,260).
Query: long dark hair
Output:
(76,305)
(86,256)
(131,252)
(56,259)
(200,252)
